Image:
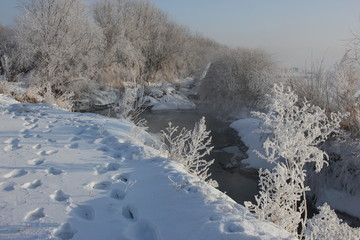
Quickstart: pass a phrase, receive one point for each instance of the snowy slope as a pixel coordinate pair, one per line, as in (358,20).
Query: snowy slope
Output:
(247,131)
(67,175)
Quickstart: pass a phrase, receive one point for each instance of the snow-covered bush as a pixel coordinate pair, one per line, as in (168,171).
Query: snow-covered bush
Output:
(326,225)
(297,128)
(237,78)
(189,147)
(343,171)
(131,105)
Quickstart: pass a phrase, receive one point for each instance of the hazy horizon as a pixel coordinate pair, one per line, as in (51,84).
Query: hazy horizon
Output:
(295,33)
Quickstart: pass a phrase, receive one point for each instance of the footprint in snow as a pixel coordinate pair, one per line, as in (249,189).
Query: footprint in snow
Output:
(36,146)
(13,147)
(121,177)
(72,145)
(73,139)
(101,185)
(142,230)
(129,212)
(32,185)
(7,186)
(86,212)
(26,118)
(117,194)
(215,217)
(31,126)
(13,144)
(233,227)
(107,167)
(36,161)
(59,195)
(35,214)
(54,171)
(24,131)
(12,141)
(16,173)
(64,232)
(46,153)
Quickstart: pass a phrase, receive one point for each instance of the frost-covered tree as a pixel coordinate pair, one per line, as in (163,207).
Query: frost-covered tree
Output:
(297,130)
(59,40)
(236,79)
(189,147)
(9,55)
(326,225)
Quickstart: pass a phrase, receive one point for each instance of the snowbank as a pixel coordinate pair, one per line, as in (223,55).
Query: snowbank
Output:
(67,175)
(253,139)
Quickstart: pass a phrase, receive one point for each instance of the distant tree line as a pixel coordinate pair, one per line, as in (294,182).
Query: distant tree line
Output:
(67,45)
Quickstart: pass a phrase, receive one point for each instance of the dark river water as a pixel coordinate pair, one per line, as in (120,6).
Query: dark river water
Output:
(239,183)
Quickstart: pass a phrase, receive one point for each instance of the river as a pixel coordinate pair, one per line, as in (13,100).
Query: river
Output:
(239,183)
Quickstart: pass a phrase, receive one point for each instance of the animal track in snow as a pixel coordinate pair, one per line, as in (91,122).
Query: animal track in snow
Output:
(7,186)
(143,230)
(123,177)
(129,212)
(215,217)
(36,146)
(15,173)
(233,227)
(112,166)
(12,141)
(36,161)
(64,232)
(117,194)
(72,145)
(35,214)
(46,153)
(9,148)
(101,185)
(75,138)
(31,126)
(32,185)
(60,196)
(24,131)
(13,144)
(86,212)
(54,171)
(107,167)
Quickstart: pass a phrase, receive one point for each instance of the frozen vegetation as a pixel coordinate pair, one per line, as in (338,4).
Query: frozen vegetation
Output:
(69,175)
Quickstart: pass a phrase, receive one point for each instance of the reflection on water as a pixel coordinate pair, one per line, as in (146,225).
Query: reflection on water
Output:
(241,184)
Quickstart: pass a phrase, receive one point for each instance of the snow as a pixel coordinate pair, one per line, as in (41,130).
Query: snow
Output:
(166,97)
(247,131)
(84,176)
(341,201)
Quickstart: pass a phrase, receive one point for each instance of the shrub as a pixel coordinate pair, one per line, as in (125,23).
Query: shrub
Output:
(297,129)
(189,147)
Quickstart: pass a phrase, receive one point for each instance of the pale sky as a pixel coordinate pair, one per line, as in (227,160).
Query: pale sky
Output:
(295,32)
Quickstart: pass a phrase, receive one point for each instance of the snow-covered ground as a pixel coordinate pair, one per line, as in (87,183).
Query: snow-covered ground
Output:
(165,97)
(247,129)
(67,175)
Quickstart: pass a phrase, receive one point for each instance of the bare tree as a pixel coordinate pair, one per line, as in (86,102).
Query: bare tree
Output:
(58,38)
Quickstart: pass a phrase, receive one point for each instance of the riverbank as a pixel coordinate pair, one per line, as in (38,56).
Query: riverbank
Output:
(71,175)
